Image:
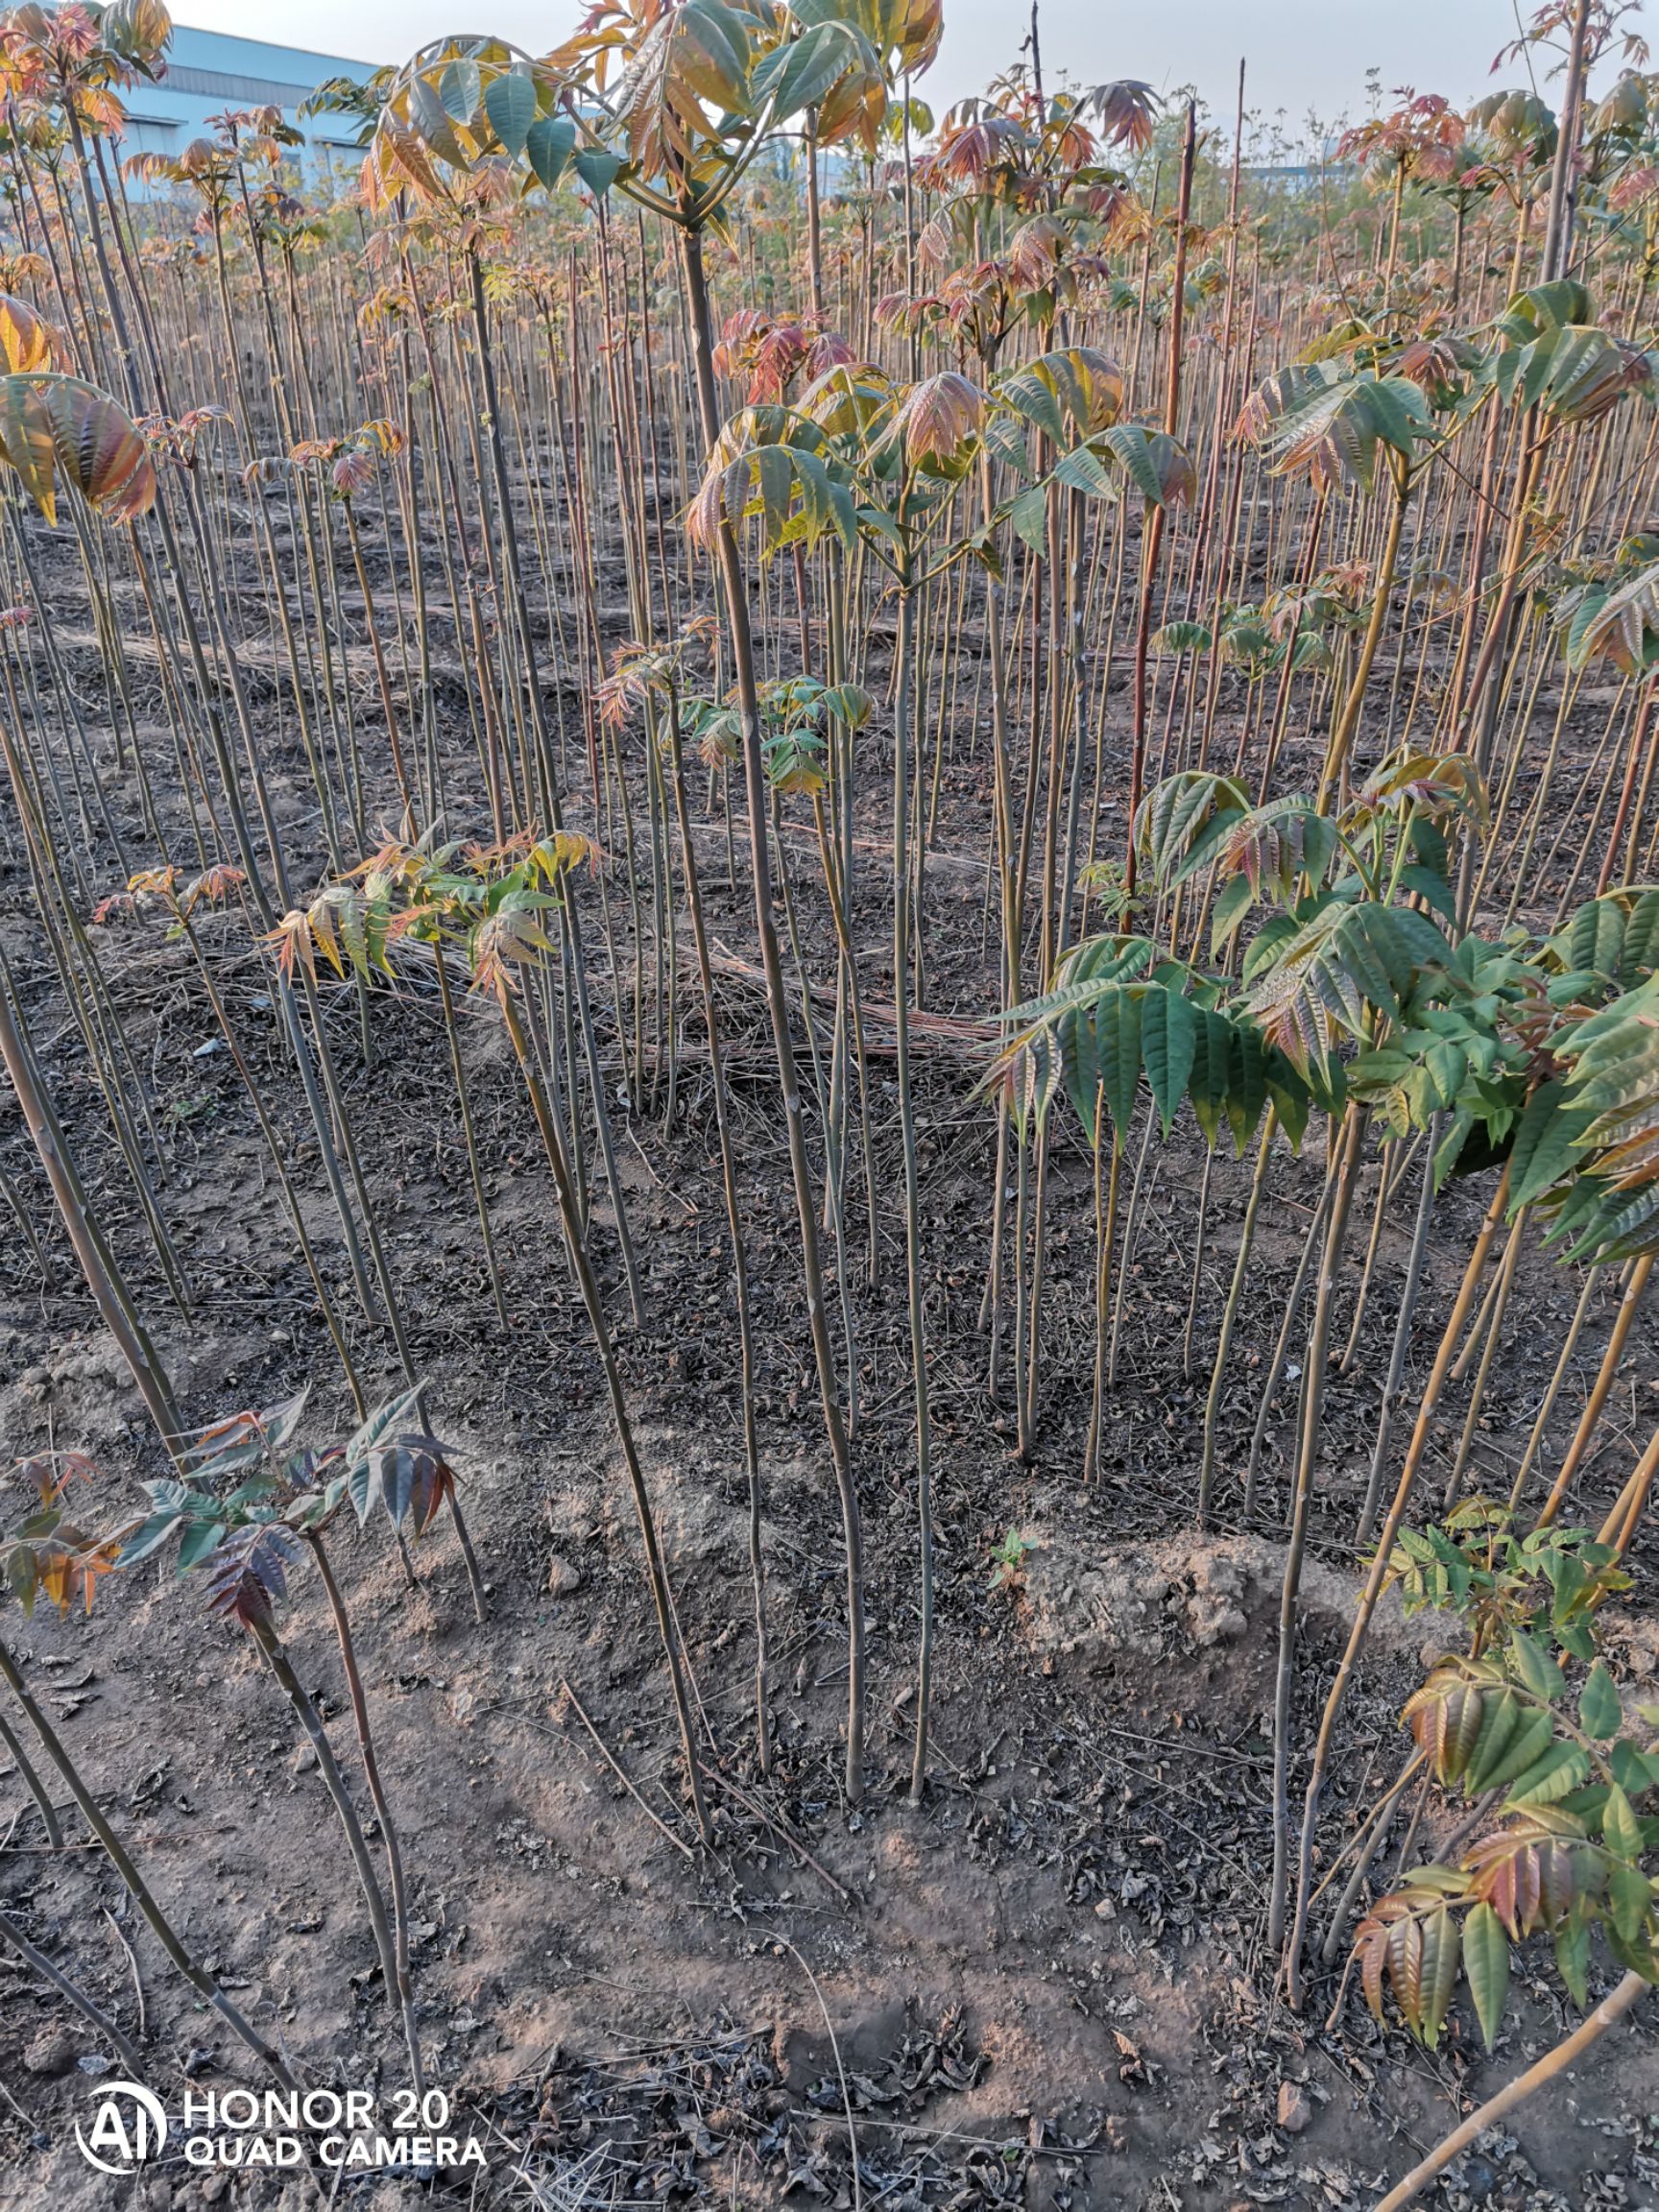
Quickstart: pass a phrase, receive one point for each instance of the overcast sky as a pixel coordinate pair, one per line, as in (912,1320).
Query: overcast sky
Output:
(1301,54)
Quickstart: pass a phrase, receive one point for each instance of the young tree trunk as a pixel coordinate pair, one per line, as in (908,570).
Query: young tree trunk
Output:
(200,1980)
(97,1262)
(55,1979)
(777,1008)
(1612,2009)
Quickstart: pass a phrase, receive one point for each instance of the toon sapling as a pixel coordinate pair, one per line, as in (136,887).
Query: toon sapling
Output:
(52,1553)
(1527,1727)
(249,1505)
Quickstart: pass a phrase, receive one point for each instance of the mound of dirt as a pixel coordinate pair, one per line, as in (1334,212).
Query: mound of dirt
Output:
(1179,1594)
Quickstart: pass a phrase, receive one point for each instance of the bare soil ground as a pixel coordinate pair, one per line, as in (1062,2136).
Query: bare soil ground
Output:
(1046,1986)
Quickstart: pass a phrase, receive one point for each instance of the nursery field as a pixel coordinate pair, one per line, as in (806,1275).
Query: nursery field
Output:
(829,991)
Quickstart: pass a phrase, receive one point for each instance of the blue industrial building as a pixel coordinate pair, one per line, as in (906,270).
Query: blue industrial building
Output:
(209,72)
